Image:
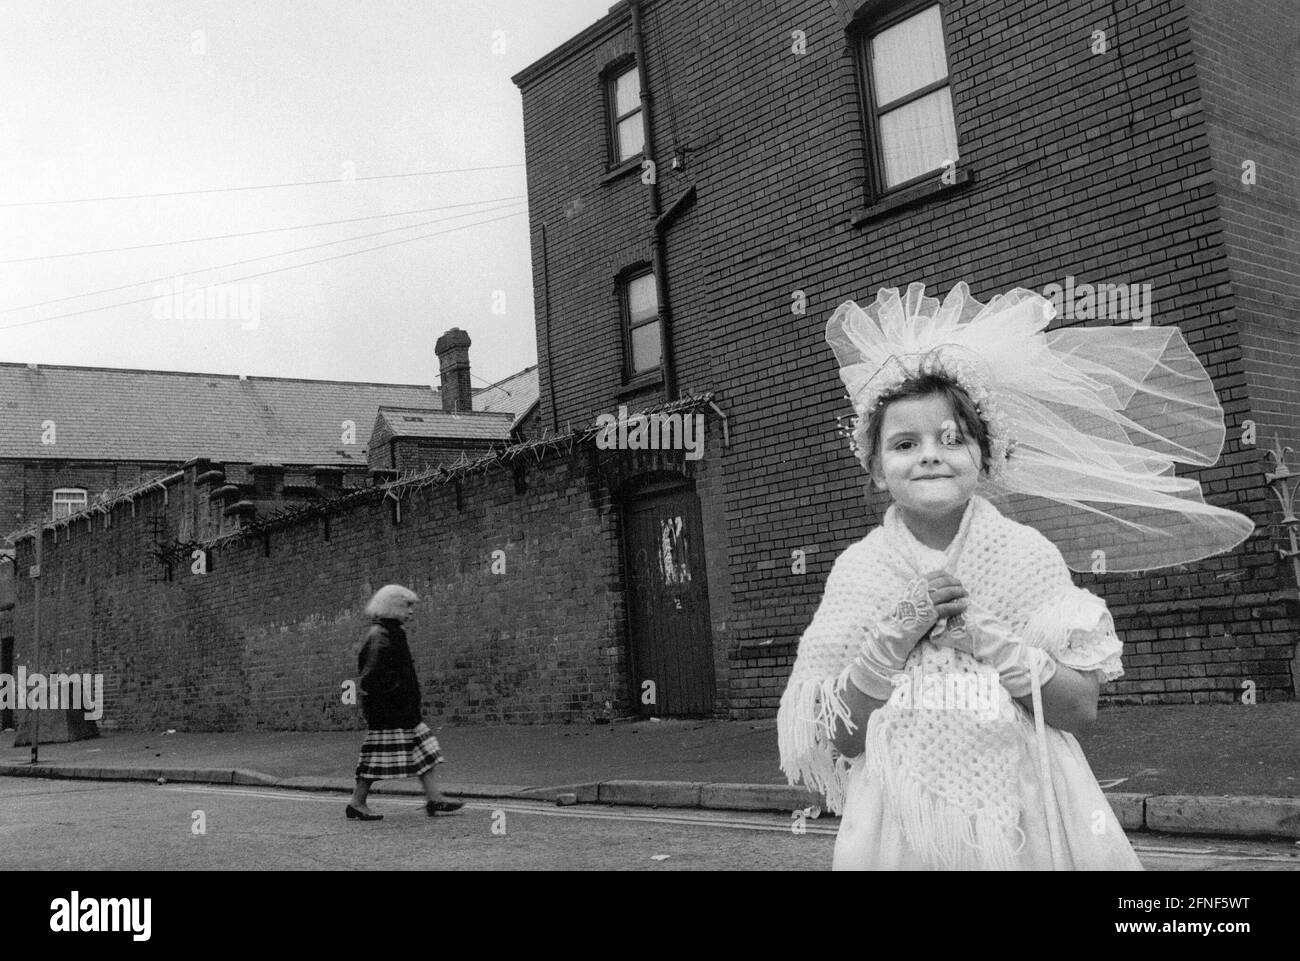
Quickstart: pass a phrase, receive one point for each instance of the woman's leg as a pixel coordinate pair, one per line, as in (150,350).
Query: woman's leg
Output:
(359,795)
(430,781)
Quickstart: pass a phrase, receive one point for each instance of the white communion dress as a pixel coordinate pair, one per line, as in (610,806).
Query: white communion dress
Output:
(952,774)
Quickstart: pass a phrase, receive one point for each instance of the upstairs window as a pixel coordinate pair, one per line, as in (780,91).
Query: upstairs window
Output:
(909,99)
(68,500)
(640,302)
(627,131)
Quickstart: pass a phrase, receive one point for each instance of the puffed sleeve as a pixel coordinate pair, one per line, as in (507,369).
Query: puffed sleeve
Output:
(1094,646)
(1072,624)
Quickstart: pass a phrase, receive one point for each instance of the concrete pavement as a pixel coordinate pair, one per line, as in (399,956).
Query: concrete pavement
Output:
(1196,769)
(116,826)
(141,826)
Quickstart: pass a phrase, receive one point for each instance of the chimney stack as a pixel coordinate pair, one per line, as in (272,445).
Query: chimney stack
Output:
(453,356)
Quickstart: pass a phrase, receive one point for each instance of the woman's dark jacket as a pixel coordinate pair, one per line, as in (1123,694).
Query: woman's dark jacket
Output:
(390,690)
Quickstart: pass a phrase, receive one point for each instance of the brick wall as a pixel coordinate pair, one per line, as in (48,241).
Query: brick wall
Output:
(1249,77)
(27,487)
(426,453)
(530,425)
(1093,166)
(268,635)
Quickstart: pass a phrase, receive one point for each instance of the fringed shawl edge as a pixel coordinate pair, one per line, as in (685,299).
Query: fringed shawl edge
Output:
(805,722)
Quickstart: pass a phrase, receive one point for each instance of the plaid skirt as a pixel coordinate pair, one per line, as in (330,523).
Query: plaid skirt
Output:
(398,752)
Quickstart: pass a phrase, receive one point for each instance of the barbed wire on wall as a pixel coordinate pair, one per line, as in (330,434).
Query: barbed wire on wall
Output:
(507,457)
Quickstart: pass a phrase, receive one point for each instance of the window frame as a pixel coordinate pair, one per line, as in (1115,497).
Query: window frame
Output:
(54,500)
(872,22)
(609,79)
(623,284)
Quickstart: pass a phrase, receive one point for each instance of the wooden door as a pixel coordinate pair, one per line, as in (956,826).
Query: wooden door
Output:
(668,605)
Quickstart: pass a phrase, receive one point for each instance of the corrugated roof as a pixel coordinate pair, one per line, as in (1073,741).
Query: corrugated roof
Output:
(113,414)
(428,422)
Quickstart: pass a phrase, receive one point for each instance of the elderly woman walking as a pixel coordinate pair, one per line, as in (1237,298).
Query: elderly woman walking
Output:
(399,743)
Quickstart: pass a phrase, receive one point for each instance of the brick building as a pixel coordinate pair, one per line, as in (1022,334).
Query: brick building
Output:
(464,421)
(707,182)
(215,600)
(72,435)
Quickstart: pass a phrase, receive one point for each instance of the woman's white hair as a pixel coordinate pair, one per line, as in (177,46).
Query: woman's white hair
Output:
(388,601)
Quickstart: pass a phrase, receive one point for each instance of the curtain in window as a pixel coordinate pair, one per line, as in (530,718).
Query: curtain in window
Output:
(631,130)
(918,137)
(907,56)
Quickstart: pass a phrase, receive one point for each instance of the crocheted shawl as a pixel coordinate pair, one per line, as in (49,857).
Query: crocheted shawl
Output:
(950,744)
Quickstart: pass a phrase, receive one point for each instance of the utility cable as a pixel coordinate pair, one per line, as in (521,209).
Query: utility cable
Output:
(247,260)
(222,190)
(253,233)
(353,253)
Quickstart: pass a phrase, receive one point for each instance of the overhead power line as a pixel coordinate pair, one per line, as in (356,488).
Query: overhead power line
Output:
(222,190)
(253,233)
(246,260)
(264,273)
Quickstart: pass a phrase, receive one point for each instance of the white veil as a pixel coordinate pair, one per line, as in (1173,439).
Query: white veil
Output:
(1086,423)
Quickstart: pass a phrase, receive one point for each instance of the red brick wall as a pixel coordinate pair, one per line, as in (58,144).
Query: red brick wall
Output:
(265,639)
(1097,166)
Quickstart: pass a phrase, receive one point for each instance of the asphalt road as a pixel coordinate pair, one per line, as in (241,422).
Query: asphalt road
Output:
(84,825)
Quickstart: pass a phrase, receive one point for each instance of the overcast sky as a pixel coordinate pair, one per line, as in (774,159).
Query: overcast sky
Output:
(127,98)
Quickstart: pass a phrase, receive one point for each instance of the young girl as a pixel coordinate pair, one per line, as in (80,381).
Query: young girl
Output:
(936,693)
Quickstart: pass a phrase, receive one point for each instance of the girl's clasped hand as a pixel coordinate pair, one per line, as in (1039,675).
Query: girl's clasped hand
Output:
(947,595)
(971,630)
(977,633)
(887,643)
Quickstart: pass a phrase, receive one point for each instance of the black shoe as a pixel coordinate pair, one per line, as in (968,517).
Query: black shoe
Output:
(355,815)
(446,807)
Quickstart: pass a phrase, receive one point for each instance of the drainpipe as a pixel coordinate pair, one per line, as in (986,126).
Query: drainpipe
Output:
(660,260)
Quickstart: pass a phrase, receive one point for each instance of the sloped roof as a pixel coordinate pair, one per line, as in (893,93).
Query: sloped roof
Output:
(515,394)
(427,422)
(114,414)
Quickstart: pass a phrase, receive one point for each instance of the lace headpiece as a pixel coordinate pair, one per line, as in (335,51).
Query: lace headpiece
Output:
(1085,424)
